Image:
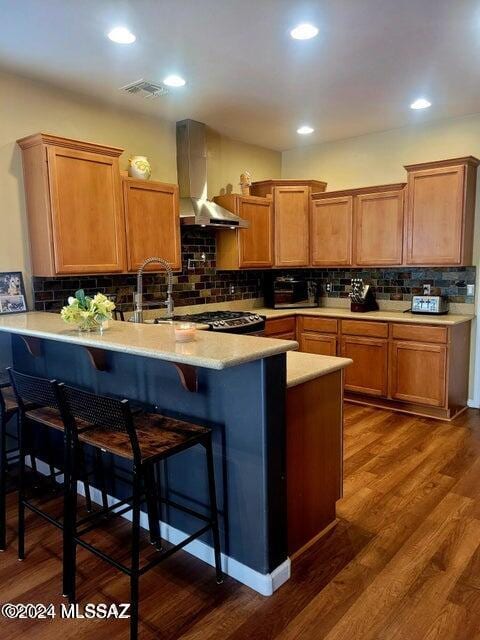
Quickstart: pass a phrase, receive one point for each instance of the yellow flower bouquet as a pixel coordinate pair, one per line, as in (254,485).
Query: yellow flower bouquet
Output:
(87,313)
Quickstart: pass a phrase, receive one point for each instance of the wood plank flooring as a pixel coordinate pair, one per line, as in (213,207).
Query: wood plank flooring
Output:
(403,563)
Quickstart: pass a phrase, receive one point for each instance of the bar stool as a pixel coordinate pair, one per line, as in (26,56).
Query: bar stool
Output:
(38,404)
(143,439)
(8,410)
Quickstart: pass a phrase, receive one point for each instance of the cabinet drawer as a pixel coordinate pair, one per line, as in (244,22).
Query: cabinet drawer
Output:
(285,336)
(419,333)
(323,325)
(365,328)
(280,325)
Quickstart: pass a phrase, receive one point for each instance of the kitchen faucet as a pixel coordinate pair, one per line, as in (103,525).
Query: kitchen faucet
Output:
(138,297)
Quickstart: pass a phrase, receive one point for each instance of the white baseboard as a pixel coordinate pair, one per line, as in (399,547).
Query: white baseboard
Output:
(265,584)
(473,404)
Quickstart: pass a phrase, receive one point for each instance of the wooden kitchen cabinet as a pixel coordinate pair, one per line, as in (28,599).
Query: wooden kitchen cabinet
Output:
(284,328)
(440,212)
(378,228)
(74,206)
(319,343)
(250,248)
(418,373)
(152,223)
(369,371)
(404,366)
(331,230)
(291,206)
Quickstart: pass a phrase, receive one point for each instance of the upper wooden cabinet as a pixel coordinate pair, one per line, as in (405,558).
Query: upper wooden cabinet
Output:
(246,248)
(74,206)
(331,231)
(152,223)
(440,212)
(378,227)
(361,227)
(291,203)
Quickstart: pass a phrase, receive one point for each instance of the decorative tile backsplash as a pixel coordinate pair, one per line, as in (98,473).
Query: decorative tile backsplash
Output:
(197,285)
(204,283)
(398,283)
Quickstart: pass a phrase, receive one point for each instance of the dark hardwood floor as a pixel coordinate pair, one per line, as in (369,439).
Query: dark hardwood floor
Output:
(403,563)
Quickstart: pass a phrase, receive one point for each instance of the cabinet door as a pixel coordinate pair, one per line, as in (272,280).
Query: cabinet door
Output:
(152,223)
(368,373)
(291,206)
(418,373)
(435,206)
(256,242)
(331,231)
(321,344)
(87,217)
(378,228)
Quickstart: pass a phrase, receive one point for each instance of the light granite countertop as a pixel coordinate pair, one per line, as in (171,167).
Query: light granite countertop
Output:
(209,350)
(302,367)
(385,316)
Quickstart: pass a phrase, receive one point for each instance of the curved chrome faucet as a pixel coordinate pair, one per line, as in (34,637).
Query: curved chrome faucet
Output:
(138,299)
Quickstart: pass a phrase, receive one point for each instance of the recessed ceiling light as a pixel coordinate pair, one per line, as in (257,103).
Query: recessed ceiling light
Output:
(121,35)
(304,31)
(421,103)
(174,81)
(305,130)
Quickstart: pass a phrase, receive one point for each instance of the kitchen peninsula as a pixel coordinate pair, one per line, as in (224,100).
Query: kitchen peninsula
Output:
(247,389)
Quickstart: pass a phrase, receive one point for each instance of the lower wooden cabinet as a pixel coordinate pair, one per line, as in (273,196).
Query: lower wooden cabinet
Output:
(411,367)
(369,372)
(321,344)
(280,326)
(418,373)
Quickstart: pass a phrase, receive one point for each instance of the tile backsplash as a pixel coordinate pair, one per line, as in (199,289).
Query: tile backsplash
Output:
(197,285)
(204,283)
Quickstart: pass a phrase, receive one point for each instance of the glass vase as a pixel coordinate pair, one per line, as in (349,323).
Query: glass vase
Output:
(88,325)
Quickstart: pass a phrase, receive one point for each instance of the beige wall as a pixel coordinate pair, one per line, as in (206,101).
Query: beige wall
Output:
(227,159)
(27,106)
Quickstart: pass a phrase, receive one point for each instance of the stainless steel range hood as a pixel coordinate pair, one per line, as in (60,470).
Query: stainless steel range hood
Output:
(192,179)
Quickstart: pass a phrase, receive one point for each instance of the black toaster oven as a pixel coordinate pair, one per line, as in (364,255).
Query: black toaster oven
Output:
(288,292)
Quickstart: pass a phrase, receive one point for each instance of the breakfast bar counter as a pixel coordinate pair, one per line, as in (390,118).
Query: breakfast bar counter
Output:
(209,350)
(237,386)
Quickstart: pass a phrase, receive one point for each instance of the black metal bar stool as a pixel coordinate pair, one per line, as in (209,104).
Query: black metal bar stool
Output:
(143,439)
(8,410)
(38,406)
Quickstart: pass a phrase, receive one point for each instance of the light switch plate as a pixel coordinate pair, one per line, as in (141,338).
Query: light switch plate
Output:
(470,290)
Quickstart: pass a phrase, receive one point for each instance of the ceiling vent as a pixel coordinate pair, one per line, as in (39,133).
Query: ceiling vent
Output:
(145,89)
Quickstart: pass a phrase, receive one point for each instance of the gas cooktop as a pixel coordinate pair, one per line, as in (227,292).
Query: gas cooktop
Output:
(229,321)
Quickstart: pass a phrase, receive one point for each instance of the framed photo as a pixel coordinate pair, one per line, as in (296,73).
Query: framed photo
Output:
(12,292)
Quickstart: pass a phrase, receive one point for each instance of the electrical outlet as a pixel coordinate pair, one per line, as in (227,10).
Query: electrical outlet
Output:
(426,289)
(470,290)
(328,287)
(232,289)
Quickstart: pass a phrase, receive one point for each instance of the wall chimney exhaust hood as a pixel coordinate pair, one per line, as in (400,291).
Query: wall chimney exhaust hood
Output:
(195,208)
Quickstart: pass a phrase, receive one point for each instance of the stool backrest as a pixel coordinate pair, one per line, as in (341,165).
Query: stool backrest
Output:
(33,391)
(103,412)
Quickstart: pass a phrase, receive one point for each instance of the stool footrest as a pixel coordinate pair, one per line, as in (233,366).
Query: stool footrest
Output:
(165,554)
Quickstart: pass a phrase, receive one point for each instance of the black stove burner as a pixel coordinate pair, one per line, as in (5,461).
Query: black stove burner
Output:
(229,321)
(212,316)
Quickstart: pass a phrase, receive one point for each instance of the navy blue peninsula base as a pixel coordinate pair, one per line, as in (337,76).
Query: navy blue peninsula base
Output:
(241,397)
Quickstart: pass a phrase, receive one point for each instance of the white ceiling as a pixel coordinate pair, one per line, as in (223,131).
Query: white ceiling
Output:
(246,77)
